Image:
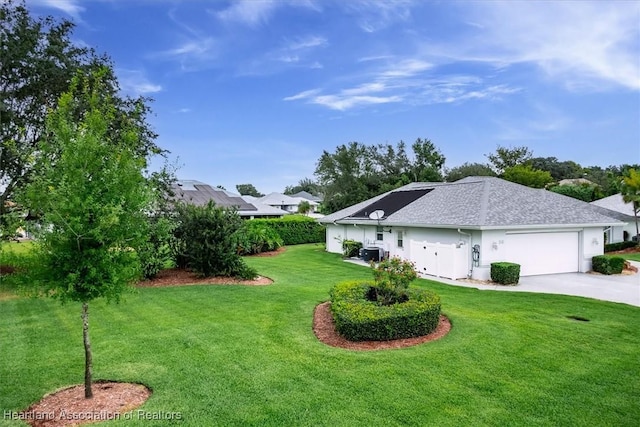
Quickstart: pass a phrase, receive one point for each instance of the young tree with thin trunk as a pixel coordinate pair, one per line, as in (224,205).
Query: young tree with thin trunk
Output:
(92,198)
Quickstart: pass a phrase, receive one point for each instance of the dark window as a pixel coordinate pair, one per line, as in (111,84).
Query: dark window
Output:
(379,233)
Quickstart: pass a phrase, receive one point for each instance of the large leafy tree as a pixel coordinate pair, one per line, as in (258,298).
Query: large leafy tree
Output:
(305,184)
(92,198)
(506,157)
(558,170)
(37,63)
(356,172)
(631,193)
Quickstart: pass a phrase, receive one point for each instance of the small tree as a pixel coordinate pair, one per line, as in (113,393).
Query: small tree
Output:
(92,203)
(631,193)
(392,278)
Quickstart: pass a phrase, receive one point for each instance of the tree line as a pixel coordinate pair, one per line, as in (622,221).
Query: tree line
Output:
(355,172)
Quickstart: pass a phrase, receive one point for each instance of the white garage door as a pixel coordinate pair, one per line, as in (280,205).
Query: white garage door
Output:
(544,253)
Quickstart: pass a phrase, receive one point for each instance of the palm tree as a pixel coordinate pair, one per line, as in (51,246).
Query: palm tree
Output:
(304,207)
(630,190)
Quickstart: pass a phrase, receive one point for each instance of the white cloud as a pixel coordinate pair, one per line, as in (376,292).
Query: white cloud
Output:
(582,44)
(303,95)
(344,101)
(307,43)
(374,15)
(410,81)
(257,12)
(70,7)
(136,83)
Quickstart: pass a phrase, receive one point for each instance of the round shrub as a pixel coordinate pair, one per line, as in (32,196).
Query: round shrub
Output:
(357,318)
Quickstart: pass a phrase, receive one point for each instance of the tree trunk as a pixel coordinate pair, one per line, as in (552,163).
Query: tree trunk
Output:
(88,393)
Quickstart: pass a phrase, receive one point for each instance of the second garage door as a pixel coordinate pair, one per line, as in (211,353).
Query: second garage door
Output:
(544,253)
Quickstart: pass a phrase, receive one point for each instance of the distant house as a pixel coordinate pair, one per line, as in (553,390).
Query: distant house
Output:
(199,193)
(576,181)
(615,207)
(308,196)
(289,204)
(458,229)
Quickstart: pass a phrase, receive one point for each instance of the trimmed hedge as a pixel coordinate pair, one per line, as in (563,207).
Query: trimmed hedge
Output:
(607,264)
(358,319)
(505,273)
(351,248)
(611,247)
(295,229)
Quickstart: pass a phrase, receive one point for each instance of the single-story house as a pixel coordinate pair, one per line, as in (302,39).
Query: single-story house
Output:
(458,229)
(615,207)
(199,193)
(289,203)
(308,196)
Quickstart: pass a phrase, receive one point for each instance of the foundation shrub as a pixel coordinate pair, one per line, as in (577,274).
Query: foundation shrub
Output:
(505,273)
(607,264)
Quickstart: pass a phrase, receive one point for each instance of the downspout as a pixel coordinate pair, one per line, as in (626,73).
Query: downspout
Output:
(470,262)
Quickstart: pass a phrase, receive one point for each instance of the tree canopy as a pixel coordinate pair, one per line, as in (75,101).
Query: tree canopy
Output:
(506,157)
(248,190)
(37,63)
(305,184)
(468,169)
(356,172)
(526,175)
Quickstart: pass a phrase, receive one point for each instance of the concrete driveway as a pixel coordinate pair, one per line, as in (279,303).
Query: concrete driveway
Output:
(618,288)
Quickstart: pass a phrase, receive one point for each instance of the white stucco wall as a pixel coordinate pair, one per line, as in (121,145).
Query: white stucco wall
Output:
(493,243)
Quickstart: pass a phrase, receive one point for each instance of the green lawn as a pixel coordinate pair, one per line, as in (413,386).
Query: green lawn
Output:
(243,356)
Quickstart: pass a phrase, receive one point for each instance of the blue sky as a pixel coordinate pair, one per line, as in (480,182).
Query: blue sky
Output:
(253,91)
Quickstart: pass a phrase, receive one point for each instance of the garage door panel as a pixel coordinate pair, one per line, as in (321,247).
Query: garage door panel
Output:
(544,253)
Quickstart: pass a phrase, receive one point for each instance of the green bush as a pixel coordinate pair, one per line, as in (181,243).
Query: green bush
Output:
(254,237)
(359,319)
(207,243)
(607,264)
(296,229)
(612,247)
(505,273)
(351,248)
(155,253)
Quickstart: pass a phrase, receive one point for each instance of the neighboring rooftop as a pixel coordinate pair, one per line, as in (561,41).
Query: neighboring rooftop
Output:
(199,193)
(308,196)
(615,203)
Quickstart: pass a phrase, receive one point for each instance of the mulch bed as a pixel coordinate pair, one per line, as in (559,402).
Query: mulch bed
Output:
(68,407)
(325,330)
(182,277)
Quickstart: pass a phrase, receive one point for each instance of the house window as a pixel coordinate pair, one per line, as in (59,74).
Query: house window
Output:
(400,239)
(379,233)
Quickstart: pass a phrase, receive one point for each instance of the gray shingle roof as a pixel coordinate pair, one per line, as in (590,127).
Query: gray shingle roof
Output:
(615,203)
(479,202)
(199,193)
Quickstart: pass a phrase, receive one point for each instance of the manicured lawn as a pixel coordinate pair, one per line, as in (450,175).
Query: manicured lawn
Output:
(236,355)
